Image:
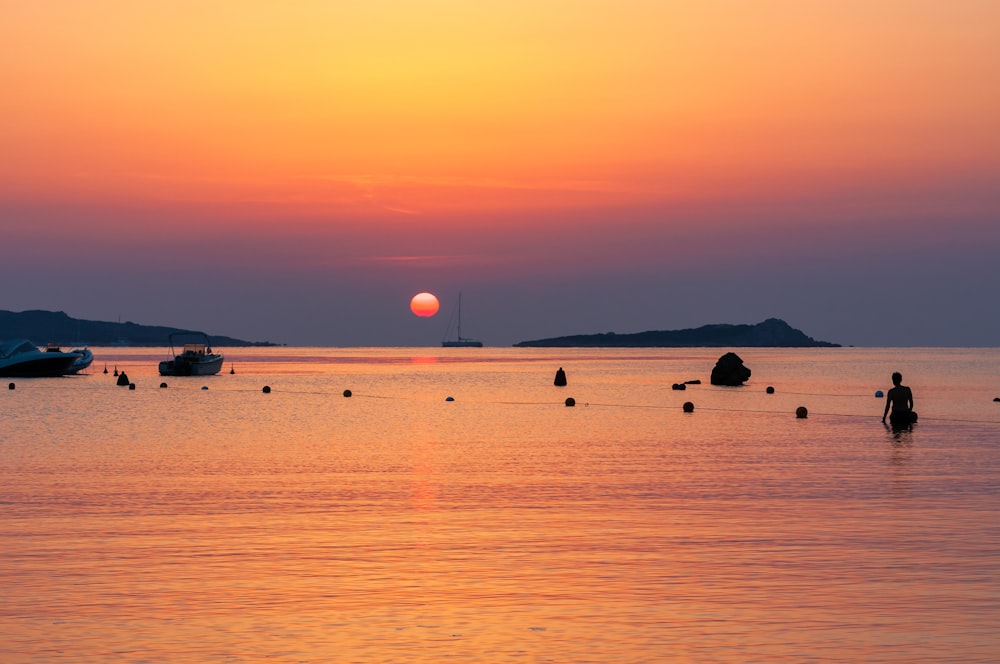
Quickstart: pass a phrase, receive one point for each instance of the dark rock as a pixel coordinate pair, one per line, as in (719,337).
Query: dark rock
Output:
(729,370)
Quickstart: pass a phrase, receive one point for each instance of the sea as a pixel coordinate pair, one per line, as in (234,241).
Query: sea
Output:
(449,505)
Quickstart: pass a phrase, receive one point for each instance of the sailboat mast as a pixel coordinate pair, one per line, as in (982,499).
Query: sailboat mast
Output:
(460,316)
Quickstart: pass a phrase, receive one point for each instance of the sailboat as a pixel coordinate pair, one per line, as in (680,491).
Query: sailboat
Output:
(459,341)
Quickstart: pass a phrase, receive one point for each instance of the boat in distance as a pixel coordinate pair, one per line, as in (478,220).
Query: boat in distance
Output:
(459,341)
(195,359)
(19,358)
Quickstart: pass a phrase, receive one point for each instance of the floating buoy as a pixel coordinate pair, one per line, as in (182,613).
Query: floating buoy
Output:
(347,393)
(10,386)
(688,407)
(696,381)
(560,380)
(769,390)
(232,369)
(449,398)
(267,389)
(801,412)
(678,386)
(131,386)
(116,371)
(204,387)
(570,402)
(878,394)
(163,384)
(105,368)
(995,398)
(122,378)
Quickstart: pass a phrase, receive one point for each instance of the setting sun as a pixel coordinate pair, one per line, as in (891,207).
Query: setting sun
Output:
(424,305)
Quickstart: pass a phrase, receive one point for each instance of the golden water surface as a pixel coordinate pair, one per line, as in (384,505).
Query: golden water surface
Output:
(182,524)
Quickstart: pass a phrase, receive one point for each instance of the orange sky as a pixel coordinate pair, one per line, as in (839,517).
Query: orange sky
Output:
(342,117)
(550,101)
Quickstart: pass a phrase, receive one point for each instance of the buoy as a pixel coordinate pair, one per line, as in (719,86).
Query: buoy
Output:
(878,394)
(105,368)
(232,369)
(995,398)
(560,380)
(131,386)
(688,407)
(678,386)
(570,402)
(204,387)
(163,384)
(10,386)
(348,393)
(801,412)
(122,379)
(116,371)
(449,398)
(267,389)
(769,390)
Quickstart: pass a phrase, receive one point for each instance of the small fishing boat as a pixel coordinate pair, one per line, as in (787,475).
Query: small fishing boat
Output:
(459,341)
(195,359)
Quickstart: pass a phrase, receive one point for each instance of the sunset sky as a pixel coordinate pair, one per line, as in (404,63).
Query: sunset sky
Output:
(295,172)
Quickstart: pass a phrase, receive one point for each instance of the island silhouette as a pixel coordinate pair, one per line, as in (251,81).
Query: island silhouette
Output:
(771,333)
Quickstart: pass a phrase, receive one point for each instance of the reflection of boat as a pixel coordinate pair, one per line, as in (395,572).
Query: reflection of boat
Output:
(196,359)
(83,358)
(19,358)
(459,341)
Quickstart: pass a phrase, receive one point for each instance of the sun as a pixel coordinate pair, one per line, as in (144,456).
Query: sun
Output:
(424,305)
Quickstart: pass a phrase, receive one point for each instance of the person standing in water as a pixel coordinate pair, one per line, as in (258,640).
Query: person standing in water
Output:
(900,400)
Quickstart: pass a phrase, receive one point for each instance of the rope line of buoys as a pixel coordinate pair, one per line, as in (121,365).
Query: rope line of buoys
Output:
(687,407)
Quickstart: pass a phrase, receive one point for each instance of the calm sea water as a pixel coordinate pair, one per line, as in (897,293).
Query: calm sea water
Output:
(183,524)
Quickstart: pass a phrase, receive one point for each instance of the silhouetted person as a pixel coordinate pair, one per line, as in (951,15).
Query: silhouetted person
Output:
(900,400)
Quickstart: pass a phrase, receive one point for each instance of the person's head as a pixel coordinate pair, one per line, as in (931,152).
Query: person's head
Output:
(897,378)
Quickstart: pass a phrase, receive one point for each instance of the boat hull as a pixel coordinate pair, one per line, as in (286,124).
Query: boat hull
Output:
(43,367)
(464,343)
(180,367)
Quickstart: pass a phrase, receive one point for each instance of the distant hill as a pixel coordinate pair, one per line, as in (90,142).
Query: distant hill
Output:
(772,333)
(55,327)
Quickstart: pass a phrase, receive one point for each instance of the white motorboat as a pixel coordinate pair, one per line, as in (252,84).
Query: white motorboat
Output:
(195,359)
(19,358)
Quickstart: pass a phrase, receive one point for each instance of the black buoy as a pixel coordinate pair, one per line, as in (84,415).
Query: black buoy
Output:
(10,386)
(570,402)
(449,398)
(688,407)
(348,393)
(116,371)
(163,384)
(878,394)
(678,386)
(267,389)
(769,390)
(801,412)
(105,368)
(131,386)
(995,398)
(232,369)
(560,380)
(122,378)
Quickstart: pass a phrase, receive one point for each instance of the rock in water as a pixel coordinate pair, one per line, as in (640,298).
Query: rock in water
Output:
(729,370)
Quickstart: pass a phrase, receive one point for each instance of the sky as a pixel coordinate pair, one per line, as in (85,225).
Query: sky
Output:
(295,172)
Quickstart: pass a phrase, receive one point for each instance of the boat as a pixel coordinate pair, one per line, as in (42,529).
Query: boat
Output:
(19,358)
(459,341)
(83,360)
(195,359)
